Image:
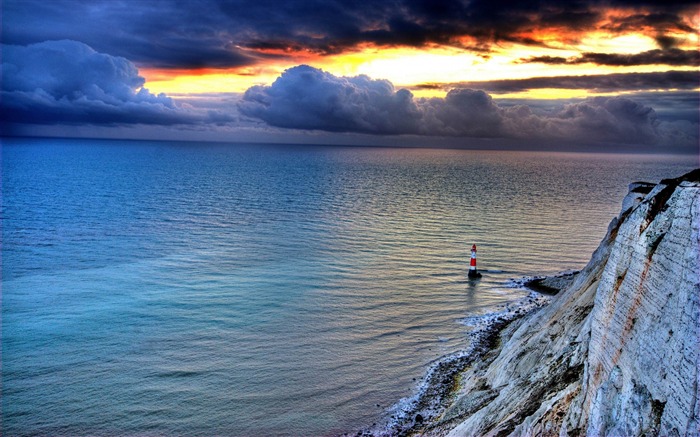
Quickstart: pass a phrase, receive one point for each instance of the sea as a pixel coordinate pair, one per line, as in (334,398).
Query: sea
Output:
(201,289)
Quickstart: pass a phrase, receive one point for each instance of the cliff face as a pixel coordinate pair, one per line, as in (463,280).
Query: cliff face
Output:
(617,352)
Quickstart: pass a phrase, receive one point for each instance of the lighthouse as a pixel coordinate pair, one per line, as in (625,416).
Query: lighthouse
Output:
(472,265)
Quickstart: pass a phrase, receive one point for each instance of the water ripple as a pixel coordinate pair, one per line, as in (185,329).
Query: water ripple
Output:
(157,289)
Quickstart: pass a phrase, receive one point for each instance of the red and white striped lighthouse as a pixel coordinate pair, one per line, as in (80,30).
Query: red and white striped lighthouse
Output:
(472,264)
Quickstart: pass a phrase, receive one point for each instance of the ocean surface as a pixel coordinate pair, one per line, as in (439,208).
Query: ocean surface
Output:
(155,288)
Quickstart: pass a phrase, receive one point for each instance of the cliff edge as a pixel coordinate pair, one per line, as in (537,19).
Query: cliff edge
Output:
(617,352)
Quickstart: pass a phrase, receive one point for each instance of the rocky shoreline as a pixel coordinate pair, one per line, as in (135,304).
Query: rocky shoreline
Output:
(439,386)
(614,353)
(551,285)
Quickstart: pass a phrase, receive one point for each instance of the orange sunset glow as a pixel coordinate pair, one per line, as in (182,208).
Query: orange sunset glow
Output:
(260,218)
(386,68)
(412,66)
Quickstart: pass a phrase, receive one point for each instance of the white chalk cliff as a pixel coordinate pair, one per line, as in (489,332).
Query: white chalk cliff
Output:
(617,353)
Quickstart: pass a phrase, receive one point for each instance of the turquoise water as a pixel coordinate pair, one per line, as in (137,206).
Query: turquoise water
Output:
(153,288)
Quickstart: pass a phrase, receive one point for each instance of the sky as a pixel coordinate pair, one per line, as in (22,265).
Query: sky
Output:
(583,74)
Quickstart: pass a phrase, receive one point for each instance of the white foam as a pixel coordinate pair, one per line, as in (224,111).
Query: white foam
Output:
(507,311)
(398,414)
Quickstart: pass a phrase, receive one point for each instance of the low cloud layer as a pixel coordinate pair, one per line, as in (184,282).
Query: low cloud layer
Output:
(304,97)
(69,82)
(618,82)
(308,98)
(668,56)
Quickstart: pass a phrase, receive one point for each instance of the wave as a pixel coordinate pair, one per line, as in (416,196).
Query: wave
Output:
(432,392)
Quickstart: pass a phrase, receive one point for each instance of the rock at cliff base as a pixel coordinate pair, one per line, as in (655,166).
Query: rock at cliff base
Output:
(617,351)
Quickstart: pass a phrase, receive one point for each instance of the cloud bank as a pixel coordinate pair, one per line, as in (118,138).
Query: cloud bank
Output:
(235,33)
(69,82)
(667,56)
(304,97)
(682,80)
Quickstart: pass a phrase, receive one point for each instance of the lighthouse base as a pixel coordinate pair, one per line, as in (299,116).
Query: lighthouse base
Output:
(473,274)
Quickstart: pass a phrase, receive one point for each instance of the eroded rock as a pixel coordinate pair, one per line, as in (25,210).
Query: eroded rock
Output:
(617,351)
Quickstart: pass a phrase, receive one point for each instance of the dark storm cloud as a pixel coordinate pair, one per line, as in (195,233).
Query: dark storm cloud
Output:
(162,34)
(656,19)
(673,106)
(670,56)
(666,42)
(684,80)
(308,98)
(69,82)
(211,33)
